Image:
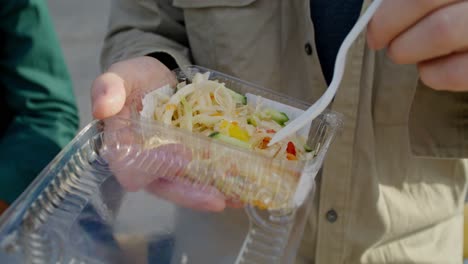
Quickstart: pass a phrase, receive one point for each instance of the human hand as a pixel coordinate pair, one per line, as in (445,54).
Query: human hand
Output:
(431,34)
(113,93)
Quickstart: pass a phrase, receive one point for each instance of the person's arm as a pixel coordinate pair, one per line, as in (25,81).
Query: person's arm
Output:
(38,94)
(145,28)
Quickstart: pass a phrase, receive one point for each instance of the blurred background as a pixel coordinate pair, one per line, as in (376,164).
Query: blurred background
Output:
(81,26)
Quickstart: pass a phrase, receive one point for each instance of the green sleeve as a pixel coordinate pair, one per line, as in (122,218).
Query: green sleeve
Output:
(38,92)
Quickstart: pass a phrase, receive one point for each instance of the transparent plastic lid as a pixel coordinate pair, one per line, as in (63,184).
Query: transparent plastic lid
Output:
(94,202)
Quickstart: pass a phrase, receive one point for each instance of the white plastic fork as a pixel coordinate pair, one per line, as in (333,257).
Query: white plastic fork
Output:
(321,104)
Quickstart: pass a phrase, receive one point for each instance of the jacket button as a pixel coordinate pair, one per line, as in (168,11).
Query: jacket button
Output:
(332,216)
(308,48)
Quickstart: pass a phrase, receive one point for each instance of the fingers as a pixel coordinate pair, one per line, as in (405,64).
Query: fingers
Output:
(111,91)
(188,195)
(395,16)
(234,204)
(448,73)
(159,170)
(442,33)
(430,33)
(136,166)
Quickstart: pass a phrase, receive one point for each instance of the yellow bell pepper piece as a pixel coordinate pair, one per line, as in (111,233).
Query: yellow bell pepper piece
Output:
(234,130)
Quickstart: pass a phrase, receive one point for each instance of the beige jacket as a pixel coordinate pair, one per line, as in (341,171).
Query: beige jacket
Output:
(393,177)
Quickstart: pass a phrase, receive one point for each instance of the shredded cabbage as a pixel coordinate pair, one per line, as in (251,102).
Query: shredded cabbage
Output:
(208,106)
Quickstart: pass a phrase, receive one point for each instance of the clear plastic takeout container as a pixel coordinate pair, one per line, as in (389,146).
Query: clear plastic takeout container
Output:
(94,202)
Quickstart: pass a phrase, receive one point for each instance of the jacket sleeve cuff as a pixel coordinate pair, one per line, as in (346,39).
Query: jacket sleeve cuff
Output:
(166,59)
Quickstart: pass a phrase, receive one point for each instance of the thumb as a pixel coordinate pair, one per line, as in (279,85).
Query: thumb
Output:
(111,90)
(108,95)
